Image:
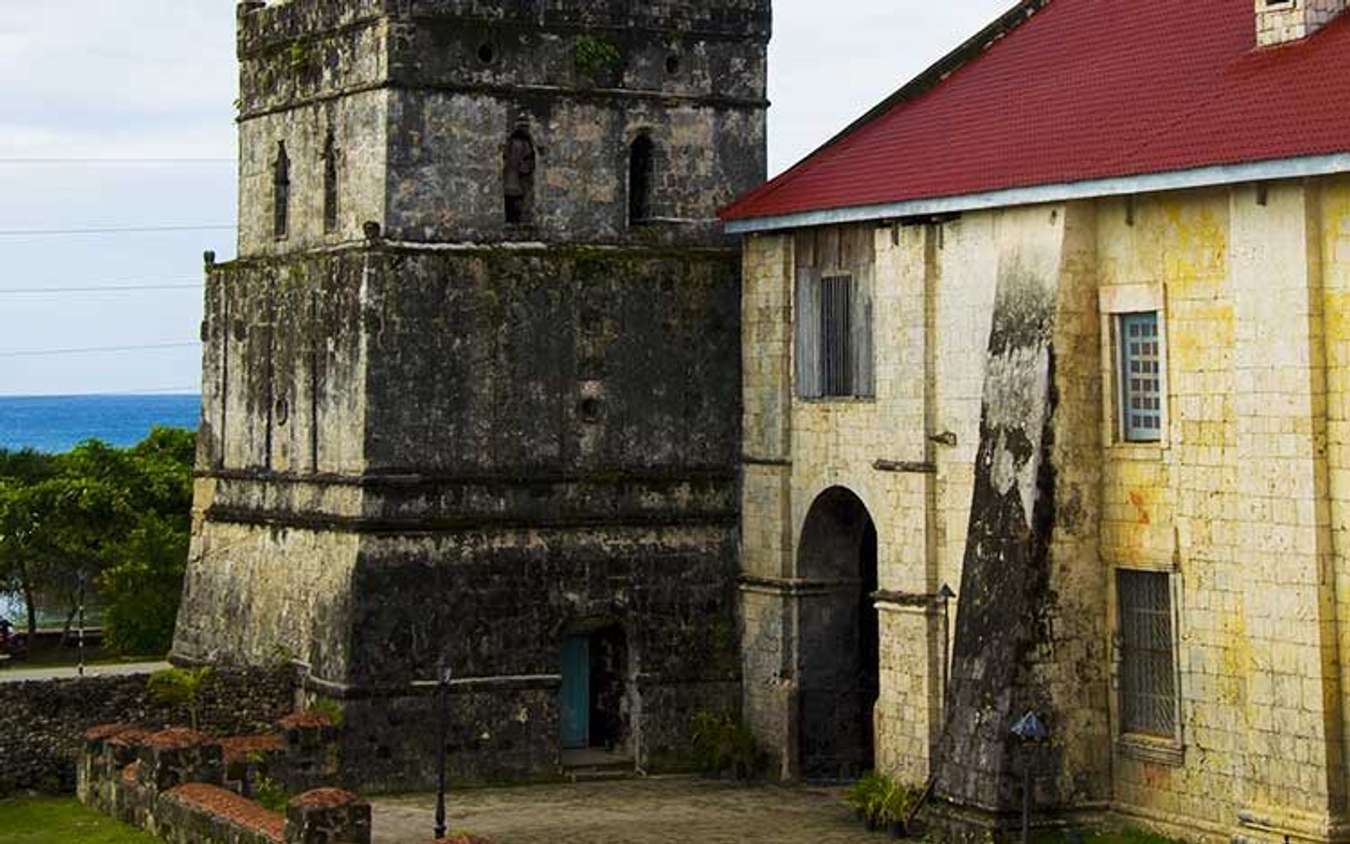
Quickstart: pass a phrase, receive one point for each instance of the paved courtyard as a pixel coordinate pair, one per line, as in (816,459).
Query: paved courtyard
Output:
(646,811)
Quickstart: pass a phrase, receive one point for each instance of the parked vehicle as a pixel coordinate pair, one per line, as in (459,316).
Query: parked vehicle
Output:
(11,645)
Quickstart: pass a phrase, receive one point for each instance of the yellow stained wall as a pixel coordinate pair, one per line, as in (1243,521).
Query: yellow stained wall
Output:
(1244,500)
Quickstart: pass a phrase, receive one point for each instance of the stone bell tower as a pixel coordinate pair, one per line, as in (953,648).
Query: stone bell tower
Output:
(471,390)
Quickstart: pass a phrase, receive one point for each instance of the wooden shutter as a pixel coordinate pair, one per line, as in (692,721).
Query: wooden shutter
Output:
(864,384)
(807,315)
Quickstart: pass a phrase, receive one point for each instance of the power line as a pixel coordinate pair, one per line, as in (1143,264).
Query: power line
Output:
(111,230)
(99,289)
(173,161)
(33,353)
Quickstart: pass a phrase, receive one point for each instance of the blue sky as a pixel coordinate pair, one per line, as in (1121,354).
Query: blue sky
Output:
(120,114)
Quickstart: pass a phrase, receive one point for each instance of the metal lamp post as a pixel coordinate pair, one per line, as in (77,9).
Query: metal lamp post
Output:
(1030,730)
(80,609)
(442,725)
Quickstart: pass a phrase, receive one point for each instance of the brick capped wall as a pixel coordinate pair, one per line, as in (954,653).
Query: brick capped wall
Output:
(41,723)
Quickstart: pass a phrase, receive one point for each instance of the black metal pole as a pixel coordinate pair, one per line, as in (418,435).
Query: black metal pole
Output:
(81,613)
(1026,798)
(442,693)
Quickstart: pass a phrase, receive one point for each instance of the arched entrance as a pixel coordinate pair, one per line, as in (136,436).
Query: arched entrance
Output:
(839,645)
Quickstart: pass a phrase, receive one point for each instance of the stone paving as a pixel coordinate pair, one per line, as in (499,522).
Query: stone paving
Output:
(643,811)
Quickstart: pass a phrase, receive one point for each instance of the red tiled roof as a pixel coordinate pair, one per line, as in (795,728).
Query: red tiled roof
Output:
(1082,90)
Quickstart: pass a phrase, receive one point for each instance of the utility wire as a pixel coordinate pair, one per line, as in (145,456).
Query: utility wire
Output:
(99,289)
(111,230)
(175,161)
(95,350)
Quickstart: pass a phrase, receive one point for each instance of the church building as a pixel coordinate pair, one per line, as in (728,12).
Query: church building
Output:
(1046,409)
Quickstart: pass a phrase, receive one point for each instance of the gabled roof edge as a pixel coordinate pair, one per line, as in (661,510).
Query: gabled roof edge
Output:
(1201,177)
(927,79)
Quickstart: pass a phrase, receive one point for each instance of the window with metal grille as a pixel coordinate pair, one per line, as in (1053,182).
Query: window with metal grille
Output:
(1148,694)
(1140,377)
(836,353)
(281,192)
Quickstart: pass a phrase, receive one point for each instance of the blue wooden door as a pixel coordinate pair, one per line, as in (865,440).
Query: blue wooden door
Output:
(576,693)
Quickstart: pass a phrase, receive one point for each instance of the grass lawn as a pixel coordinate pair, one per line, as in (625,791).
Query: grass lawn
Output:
(60,820)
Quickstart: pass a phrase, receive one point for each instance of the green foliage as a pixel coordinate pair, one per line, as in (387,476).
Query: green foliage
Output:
(180,687)
(331,708)
(271,795)
(143,587)
(723,744)
(298,56)
(594,56)
(880,800)
(866,796)
(113,518)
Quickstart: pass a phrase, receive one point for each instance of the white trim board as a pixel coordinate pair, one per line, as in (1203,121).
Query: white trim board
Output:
(1200,177)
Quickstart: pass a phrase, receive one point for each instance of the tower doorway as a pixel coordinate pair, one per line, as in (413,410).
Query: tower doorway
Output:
(593,711)
(839,672)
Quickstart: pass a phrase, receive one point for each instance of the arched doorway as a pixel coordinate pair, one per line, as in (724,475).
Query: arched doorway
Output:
(839,645)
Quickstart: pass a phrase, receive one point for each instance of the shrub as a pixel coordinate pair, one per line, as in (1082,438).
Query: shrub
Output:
(329,707)
(179,687)
(723,744)
(866,795)
(880,800)
(271,795)
(596,55)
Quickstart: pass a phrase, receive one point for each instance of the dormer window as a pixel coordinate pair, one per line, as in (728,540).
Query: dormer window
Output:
(1285,21)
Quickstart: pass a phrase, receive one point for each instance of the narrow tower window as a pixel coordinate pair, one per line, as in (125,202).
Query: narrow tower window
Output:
(281,184)
(330,185)
(518,178)
(641,174)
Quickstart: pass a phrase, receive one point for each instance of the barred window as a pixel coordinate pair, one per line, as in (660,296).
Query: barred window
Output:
(834,335)
(836,307)
(1148,694)
(1140,377)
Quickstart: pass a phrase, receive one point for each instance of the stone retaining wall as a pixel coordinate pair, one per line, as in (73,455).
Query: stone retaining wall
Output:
(175,784)
(41,722)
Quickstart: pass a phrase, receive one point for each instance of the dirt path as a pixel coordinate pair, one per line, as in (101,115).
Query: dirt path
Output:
(671,809)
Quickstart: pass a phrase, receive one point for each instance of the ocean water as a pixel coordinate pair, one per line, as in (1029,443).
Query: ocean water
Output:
(58,423)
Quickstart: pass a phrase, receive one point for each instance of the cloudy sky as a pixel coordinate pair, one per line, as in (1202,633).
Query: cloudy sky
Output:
(119,115)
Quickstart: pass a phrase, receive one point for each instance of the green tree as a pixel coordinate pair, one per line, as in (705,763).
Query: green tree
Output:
(116,517)
(143,586)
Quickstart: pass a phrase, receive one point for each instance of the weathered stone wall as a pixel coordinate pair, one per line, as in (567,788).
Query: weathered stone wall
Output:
(42,723)
(1242,501)
(421,104)
(539,448)
(447,435)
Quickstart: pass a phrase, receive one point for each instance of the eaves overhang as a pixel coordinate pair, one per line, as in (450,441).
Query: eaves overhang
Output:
(1199,177)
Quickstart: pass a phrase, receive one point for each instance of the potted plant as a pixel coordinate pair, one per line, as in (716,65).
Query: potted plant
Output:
(866,797)
(896,803)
